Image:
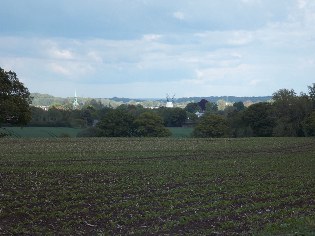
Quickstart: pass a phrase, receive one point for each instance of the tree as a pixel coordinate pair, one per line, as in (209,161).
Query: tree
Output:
(291,110)
(260,118)
(149,124)
(221,104)
(311,92)
(211,125)
(237,124)
(192,107)
(15,100)
(211,107)
(239,106)
(173,117)
(309,125)
(135,110)
(117,123)
(202,104)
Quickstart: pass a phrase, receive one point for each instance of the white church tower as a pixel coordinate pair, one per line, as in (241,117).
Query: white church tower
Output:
(75,103)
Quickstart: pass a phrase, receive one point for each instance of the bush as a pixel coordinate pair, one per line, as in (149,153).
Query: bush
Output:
(309,125)
(213,126)
(149,124)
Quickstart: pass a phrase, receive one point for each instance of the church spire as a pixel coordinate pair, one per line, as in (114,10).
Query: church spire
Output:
(75,101)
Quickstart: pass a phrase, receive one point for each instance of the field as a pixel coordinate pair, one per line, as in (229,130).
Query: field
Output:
(106,186)
(40,132)
(53,132)
(181,132)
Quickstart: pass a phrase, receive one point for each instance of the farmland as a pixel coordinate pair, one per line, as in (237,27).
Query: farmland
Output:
(40,132)
(106,186)
(53,132)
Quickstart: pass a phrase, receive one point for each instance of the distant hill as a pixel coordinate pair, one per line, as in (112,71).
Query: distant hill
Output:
(231,99)
(49,100)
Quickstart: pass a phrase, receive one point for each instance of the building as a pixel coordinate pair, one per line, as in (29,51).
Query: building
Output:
(75,103)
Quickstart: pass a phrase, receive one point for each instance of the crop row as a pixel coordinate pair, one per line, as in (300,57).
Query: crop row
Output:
(157,186)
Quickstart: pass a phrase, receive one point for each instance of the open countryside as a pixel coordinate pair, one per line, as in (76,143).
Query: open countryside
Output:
(166,171)
(151,117)
(158,186)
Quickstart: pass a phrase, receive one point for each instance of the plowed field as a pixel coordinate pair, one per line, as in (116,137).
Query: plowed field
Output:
(108,186)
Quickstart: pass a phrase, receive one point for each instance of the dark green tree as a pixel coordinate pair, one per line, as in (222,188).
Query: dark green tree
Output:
(260,118)
(97,105)
(149,124)
(15,100)
(239,106)
(117,123)
(173,117)
(202,104)
(192,107)
(291,110)
(309,125)
(211,125)
(135,110)
(211,107)
(88,115)
(238,126)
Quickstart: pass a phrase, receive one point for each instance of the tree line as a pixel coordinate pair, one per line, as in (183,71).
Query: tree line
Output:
(288,114)
(123,121)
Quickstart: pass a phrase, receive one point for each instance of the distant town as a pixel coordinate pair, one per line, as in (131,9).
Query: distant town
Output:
(45,101)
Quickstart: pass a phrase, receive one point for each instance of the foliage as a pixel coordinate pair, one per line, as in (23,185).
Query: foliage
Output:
(202,104)
(211,107)
(290,111)
(150,186)
(260,118)
(214,126)
(239,106)
(117,123)
(14,100)
(173,117)
(309,125)
(238,126)
(311,92)
(135,110)
(39,132)
(149,124)
(288,115)
(192,107)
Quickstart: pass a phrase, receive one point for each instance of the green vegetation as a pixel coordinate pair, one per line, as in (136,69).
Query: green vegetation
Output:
(211,125)
(159,186)
(14,100)
(40,132)
(52,132)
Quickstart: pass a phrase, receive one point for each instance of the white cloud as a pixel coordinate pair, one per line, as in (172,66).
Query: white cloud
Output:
(301,3)
(151,37)
(179,15)
(61,54)
(255,82)
(59,69)
(216,50)
(227,73)
(95,57)
(240,38)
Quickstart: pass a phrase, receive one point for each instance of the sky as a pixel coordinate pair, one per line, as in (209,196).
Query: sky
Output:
(150,48)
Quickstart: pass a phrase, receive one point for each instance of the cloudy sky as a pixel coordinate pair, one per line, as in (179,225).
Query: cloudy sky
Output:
(147,48)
